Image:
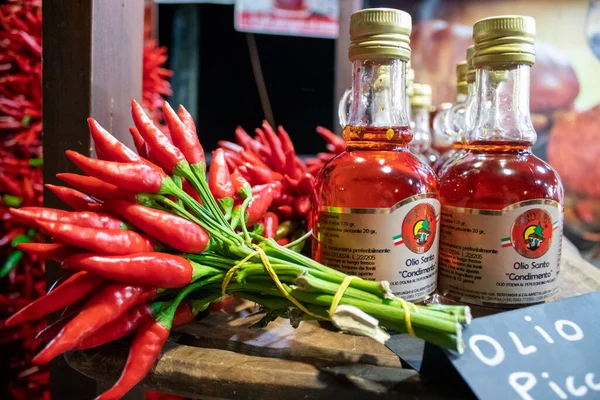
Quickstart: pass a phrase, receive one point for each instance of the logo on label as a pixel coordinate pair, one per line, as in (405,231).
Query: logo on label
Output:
(531,234)
(418,229)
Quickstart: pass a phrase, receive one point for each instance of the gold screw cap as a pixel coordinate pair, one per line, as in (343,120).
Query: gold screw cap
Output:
(421,96)
(502,40)
(380,33)
(470,66)
(461,77)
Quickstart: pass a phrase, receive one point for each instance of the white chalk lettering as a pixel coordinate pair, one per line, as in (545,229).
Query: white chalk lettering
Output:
(522,388)
(589,380)
(491,361)
(559,392)
(544,334)
(524,350)
(577,392)
(560,328)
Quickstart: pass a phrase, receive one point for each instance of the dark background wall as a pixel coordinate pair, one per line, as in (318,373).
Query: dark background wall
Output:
(298,73)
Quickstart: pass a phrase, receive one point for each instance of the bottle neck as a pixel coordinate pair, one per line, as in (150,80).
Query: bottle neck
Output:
(502,115)
(421,132)
(457,116)
(378,105)
(461,97)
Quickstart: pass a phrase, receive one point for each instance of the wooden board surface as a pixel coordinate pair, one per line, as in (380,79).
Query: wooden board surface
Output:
(220,356)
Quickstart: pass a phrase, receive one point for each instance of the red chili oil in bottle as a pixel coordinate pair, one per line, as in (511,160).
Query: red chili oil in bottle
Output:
(502,207)
(376,205)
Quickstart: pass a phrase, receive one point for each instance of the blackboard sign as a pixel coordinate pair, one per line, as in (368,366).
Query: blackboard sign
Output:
(550,351)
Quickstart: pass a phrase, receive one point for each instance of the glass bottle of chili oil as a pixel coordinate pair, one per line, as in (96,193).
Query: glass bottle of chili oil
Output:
(376,205)
(502,207)
(445,120)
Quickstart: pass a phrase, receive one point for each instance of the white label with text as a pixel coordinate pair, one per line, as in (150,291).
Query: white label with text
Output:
(397,244)
(508,257)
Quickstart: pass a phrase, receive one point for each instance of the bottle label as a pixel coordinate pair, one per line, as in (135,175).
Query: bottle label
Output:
(397,244)
(508,257)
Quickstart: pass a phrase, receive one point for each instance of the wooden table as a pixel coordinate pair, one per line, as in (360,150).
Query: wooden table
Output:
(219,356)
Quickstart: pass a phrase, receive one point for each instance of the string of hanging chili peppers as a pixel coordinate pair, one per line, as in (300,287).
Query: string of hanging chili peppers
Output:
(22,277)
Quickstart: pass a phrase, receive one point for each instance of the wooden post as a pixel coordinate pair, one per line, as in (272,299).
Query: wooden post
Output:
(92,65)
(343,67)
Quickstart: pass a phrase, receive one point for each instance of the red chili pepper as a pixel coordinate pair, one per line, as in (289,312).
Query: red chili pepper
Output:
(301,165)
(325,157)
(277,153)
(262,197)
(285,212)
(96,188)
(101,241)
(186,117)
(290,167)
(174,231)
(191,191)
(49,251)
(302,205)
(286,143)
(270,223)
(109,146)
(219,305)
(219,178)
(73,198)
(233,156)
(227,145)
(306,184)
(184,138)
(49,332)
(89,219)
(107,305)
(336,144)
(259,175)
(12,305)
(138,141)
(238,181)
(163,150)
(135,177)
(289,185)
(244,140)
(232,160)
(184,314)
(283,241)
(159,270)
(262,139)
(145,349)
(11,184)
(75,288)
(252,159)
(132,320)
(264,151)
(315,168)
(31,43)
(120,328)
(283,199)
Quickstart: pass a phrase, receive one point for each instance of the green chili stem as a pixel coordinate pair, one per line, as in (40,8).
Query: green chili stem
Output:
(196,177)
(165,317)
(208,225)
(299,240)
(243,208)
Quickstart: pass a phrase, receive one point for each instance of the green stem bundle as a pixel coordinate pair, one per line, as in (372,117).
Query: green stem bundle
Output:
(307,282)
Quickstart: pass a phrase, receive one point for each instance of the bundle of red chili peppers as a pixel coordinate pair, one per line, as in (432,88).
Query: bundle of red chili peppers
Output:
(152,242)
(280,180)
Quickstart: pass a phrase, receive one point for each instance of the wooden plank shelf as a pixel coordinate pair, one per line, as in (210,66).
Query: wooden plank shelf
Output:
(221,356)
